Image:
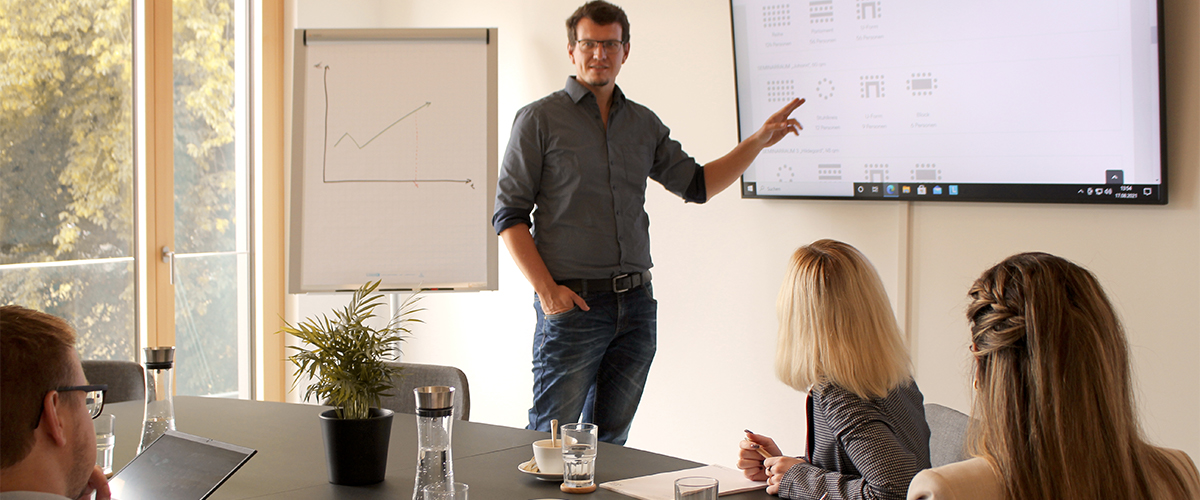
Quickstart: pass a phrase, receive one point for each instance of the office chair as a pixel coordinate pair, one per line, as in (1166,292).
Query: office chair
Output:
(947,434)
(416,375)
(126,380)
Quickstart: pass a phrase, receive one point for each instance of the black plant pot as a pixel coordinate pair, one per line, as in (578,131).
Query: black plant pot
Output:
(356,450)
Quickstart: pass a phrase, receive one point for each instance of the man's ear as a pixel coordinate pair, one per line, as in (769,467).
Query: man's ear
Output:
(570,53)
(51,423)
(625,54)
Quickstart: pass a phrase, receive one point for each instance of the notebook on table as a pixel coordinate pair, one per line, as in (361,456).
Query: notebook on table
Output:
(178,466)
(662,486)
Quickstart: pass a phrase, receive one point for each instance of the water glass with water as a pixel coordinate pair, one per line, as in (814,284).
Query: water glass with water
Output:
(445,491)
(105,440)
(696,488)
(579,455)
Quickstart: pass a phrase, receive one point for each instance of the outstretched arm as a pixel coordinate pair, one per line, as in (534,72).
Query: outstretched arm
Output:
(720,173)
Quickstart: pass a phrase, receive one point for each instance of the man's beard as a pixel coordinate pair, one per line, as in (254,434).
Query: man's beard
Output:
(81,466)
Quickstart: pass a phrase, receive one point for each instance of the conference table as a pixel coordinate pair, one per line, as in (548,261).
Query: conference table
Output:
(290,462)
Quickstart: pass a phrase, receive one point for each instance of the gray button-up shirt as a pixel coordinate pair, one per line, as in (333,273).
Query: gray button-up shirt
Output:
(582,189)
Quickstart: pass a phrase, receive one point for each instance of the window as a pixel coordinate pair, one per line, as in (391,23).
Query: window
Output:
(66,166)
(72,236)
(211,202)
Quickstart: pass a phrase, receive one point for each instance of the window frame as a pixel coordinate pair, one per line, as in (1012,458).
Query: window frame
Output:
(153,117)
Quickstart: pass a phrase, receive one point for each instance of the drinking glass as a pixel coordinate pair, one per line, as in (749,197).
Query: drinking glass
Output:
(445,491)
(105,440)
(579,455)
(695,488)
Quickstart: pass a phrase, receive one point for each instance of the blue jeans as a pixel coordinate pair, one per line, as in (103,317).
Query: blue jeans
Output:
(591,366)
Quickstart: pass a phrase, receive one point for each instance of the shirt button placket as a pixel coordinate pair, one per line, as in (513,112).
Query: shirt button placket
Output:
(613,174)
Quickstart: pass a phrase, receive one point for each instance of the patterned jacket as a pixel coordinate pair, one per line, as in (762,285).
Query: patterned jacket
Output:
(860,448)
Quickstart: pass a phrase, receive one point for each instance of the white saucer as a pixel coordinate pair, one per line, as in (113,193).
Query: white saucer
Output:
(544,476)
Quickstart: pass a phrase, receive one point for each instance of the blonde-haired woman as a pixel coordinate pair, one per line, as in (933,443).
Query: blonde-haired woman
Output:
(1053,412)
(838,341)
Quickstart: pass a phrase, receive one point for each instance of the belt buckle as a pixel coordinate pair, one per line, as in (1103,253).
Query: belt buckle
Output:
(617,288)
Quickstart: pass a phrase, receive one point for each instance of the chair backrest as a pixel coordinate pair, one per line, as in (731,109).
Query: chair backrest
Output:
(416,375)
(947,434)
(126,380)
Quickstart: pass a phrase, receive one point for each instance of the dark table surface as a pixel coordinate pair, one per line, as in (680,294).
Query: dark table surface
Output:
(290,462)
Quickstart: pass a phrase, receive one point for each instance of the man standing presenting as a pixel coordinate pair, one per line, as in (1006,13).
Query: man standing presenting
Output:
(580,157)
(49,444)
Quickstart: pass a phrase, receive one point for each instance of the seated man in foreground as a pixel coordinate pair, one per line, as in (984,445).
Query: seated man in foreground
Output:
(49,445)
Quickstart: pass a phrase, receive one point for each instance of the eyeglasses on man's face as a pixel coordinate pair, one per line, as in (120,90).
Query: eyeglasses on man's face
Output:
(93,397)
(93,394)
(609,45)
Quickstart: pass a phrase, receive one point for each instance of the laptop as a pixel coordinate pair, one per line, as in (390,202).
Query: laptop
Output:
(178,466)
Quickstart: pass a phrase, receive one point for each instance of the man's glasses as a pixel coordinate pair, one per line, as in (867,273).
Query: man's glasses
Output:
(609,45)
(93,393)
(94,398)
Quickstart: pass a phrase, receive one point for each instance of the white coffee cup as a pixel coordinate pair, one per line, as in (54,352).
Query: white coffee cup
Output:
(548,457)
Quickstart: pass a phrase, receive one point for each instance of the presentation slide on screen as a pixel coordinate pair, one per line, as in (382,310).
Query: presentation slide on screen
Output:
(938,93)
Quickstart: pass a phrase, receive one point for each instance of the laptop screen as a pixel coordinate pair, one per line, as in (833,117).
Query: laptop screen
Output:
(178,466)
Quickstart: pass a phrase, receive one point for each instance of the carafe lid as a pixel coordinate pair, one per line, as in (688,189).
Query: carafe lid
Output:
(158,358)
(434,397)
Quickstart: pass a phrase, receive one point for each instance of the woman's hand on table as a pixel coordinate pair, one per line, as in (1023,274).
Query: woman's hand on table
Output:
(750,458)
(775,468)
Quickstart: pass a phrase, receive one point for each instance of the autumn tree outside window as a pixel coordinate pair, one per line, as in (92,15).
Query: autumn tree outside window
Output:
(68,177)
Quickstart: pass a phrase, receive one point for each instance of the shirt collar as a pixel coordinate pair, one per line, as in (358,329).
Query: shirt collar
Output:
(577,91)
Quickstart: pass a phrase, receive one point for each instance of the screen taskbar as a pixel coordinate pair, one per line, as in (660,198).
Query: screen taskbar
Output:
(1121,194)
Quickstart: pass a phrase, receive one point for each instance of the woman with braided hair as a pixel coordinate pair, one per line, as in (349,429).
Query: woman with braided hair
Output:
(1053,415)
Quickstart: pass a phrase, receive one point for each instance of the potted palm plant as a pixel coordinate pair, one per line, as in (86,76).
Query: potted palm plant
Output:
(344,360)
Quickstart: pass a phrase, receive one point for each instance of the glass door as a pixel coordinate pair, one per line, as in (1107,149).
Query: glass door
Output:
(211,251)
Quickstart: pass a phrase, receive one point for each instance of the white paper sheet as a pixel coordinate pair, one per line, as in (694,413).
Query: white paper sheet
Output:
(662,486)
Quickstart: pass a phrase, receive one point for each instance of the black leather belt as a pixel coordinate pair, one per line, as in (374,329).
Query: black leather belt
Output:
(616,284)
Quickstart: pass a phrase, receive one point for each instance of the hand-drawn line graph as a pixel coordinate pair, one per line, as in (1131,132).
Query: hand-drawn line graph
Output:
(385,129)
(415,181)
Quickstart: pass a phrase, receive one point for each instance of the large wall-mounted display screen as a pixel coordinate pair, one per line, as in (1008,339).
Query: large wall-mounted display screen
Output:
(953,100)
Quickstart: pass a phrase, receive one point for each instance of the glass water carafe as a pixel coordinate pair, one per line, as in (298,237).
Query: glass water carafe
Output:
(435,463)
(160,407)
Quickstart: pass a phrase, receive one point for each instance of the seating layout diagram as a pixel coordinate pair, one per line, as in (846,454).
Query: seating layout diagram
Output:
(945,90)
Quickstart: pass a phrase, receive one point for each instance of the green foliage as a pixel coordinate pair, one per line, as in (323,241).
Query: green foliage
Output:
(67,175)
(66,104)
(66,168)
(344,358)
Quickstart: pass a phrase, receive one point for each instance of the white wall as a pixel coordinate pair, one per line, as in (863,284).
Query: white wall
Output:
(718,265)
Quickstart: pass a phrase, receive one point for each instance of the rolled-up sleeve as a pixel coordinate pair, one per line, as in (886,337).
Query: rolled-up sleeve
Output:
(520,173)
(675,170)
